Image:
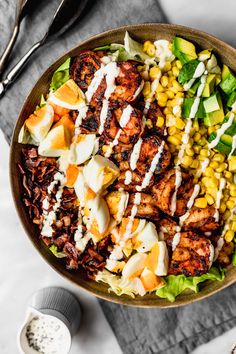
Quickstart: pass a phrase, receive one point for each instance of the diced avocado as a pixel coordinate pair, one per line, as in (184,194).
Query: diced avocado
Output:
(218,79)
(187,71)
(212,103)
(187,105)
(214,110)
(228,84)
(209,86)
(232,129)
(232,163)
(225,71)
(183,50)
(225,144)
(232,99)
(194,87)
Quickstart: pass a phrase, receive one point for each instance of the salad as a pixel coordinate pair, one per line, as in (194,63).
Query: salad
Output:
(129,166)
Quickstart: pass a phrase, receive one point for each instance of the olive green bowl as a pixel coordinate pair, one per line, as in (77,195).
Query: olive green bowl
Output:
(141,33)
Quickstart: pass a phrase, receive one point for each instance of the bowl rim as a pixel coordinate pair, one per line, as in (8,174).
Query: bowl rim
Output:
(123,300)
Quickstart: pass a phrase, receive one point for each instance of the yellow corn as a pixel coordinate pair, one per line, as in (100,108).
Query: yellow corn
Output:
(214,164)
(179,123)
(172,130)
(173,140)
(195,164)
(196,125)
(164,80)
(226,215)
(232,187)
(200,203)
(211,130)
(210,199)
(167,66)
(149,48)
(229,236)
(221,167)
(204,152)
(230,204)
(228,175)
(147,89)
(209,172)
(233,226)
(196,149)
(202,141)
(232,193)
(222,207)
(162,96)
(160,121)
(162,103)
(159,88)
(189,151)
(175,71)
(154,72)
(202,130)
(179,95)
(179,64)
(210,182)
(187,161)
(197,137)
(218,157)
(170,94)
(149,123)
(167,110)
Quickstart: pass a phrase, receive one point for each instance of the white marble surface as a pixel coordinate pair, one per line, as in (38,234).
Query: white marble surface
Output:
(23,271)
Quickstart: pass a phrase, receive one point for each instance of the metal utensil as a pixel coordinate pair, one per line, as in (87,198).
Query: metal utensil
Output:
(66,14)
(20,13)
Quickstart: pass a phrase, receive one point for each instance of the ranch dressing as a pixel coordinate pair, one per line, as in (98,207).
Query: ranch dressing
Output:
(199,71)
(135,154)
(218,197)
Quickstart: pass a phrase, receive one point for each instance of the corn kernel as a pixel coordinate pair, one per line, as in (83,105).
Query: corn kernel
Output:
(179,95)
(196,149)
(162,96)
(167,110)
(229,236)
(210,199)
(173,140)
(149,48)
(211,130)
(221,167)
(172,130)
(149,123)
(179,123)
(230,204)
(196,125)
(209,172)
(167,66)
(159,88)
(228,175)
(160,121)
(147,89)
(210,182)
(187,161)
(189,151)
(197,137)
(164,80)
(233,193)
(214,164)
(232,187)
(175,71)
(179,64)
(154,73)
(170,94)
(204,152)
(174,89)
(222,207)
(195,164)
(226,215)
(218,157)
(233,226)
(162,103)
(200,203)
(202,130)
(202,141)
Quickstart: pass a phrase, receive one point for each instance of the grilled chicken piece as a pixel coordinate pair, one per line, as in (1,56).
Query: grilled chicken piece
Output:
(83,68)
(167,229)
(147,209)
(129,82)
(201,219)
(149,148)
(193,255)
(152,114)
(225,254)
(90,124)
(164,189)
(137,179)
(132,130)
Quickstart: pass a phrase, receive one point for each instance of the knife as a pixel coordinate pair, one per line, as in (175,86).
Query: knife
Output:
(66,14)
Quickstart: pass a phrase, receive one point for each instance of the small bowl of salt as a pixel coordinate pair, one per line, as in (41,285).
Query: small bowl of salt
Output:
(52,318)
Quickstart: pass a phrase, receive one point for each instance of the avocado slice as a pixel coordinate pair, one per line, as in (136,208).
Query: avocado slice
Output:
(232,99)
(187,105)
(225,144)
(214,110)
(225,71)
(228,84)
(187,71)
(194,87)
(183,50)
(232,129)
(209,86)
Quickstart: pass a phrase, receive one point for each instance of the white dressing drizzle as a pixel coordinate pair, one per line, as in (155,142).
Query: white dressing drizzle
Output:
(134,210)
(135,154)
(218,197)
(221,131)
(50,216)
(200,69)
(128,177)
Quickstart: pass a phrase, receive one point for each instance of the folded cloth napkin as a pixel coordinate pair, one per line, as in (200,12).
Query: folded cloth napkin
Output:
(139,331)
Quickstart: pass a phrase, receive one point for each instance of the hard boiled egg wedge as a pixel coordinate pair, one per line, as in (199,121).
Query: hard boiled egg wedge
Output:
(150,280)
(100,172)
(96,217)
(117,202)
(72,172)
(146,238)
(82,190)
(82,148)
(69,95)
(158,259)
(39,123)
(55,143)
(137,226)
(134,266)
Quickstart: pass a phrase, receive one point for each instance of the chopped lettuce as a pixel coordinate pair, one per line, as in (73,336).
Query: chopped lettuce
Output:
(176,284)
(60,76)
(53,249)
(131,50)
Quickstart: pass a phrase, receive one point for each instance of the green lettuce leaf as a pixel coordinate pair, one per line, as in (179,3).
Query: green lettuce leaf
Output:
(53,249)
(176,284)
(60,76)
(134,49)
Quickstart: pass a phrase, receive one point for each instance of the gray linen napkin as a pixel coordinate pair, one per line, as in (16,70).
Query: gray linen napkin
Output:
(139,331)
